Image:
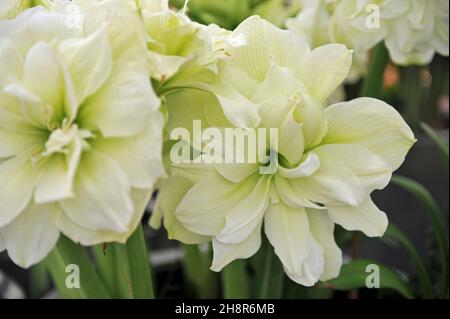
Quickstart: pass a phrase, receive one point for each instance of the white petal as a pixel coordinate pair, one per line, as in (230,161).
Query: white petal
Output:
(265,43)
(89,237)
(306,168)
(372,171)
(18,137)
(291,197)
(366,218)
(122,106)
(324,69)
(242,219)
(88,61)
(102,195)
(322,229)
(288,231)
(333,182)
(32,235)
(57,180)
(139,156)
(18,179)
(206,204)
(236,173)
(172,192)
(373,124)
(43,77)
(224,254)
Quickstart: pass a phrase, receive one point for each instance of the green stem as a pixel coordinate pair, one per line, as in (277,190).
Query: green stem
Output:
(374,81)
(235,281)
(125,268)
(413,92)
(267,270)
(196,268)
(269,274)
(433,211)
(140,269)
(68,253)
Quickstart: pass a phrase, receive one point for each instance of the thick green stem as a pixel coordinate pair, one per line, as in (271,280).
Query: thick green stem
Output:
(125,269)
(235,280)
(66,254)
(272,280)
(374,81)
(196,268)
(140,268)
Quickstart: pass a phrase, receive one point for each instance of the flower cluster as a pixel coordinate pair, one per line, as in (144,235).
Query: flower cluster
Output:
(411,30)
(329,159)
(81,132)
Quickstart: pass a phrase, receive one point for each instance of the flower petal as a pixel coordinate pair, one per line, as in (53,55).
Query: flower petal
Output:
(366,218)
(43,78)
(265,43)
(206,204)
(322,229)
(289,196)
(32,235)
(373,172)
(242,219)
(89,237)
(122,106)
(324,69)
(102,195)
(289,233)
(371,123)
(88,61)
(306,168)
(172,192)
(333,182)
(18,178)
(142,166)
(224,254)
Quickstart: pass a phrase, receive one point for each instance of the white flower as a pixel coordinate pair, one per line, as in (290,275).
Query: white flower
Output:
(329,160)
(413,30)
(80,129)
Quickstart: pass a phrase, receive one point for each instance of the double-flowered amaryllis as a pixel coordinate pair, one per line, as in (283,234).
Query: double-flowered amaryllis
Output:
(329,159)
(80,128)
(178,46)
(412,30)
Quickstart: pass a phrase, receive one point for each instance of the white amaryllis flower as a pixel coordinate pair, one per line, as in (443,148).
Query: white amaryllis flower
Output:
(329,160)
(413,30)
(313,24)
(9,9)
(177,44)
(80,129)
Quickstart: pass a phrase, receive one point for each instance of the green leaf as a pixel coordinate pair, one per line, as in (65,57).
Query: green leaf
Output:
(68,253)
(425,282)
(440,142)
(235,280)
(434,213)
(354,275)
